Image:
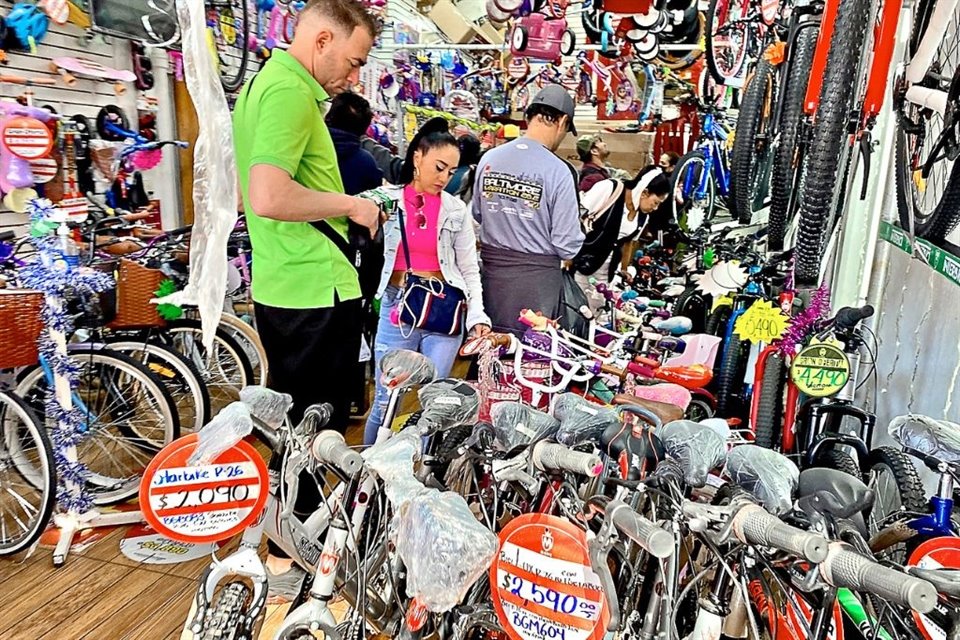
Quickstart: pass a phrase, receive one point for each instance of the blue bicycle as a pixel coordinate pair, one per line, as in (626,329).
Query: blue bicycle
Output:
(703,174)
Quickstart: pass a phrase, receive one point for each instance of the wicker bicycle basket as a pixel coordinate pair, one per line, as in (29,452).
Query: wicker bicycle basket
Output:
(20,327)
(136,285)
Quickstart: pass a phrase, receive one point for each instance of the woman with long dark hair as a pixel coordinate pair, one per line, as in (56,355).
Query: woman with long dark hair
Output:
(440,247)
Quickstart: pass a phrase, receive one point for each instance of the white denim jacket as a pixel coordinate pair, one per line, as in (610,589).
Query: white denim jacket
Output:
(456,249)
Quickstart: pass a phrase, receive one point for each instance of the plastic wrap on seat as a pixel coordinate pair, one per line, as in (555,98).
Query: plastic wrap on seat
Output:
(696,447)
(449,402)
(405,368)
(517,425)
(444,548)
(227,428)
(266,405)
(769,476)
(392,460)
(938,439)
(581,420)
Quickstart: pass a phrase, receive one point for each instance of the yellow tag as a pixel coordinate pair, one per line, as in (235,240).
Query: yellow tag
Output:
(722,301)
(820,370)
(762,322)
(919,182)
(410,126)
(162,371)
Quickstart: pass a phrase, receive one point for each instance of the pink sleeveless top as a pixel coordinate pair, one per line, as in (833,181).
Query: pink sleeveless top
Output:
(420,222)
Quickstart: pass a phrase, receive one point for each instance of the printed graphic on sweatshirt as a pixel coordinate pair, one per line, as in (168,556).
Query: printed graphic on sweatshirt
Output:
(510,186)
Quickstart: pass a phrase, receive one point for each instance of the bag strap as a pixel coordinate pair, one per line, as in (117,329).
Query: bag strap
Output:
(403,236)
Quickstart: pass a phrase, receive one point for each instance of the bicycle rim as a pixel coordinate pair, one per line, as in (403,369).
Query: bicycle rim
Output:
(691,209)
(229,21)
(249,340)
(27,476)
(727,38)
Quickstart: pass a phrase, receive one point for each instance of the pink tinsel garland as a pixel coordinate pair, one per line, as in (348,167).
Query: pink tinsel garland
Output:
(800,325)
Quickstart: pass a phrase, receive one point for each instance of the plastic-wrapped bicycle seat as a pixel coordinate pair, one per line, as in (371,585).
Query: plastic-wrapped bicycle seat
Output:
(227,428)
(581,420)
(698,449)
(938,439)
(444,548)
(517,425)
(449,402)
(405,368)
(769,476)
(266,405)
(392,460)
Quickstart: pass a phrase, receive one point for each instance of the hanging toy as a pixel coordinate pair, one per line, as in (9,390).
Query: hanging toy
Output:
(57,10)
(27,25)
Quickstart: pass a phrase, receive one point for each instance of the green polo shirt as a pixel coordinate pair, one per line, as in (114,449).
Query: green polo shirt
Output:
(278,121)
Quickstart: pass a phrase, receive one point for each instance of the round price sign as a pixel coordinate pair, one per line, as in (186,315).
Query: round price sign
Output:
(27,138)
(44,169)
(204,503)
(543,585)
(936,553)
(820,370)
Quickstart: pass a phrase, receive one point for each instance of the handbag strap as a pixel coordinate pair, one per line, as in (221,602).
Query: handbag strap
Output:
(403,236)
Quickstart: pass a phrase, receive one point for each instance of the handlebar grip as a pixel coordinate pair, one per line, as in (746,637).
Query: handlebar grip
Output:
(754,525)
(550,456)
(849,317)
(330,448)
(656,540)
(845,567)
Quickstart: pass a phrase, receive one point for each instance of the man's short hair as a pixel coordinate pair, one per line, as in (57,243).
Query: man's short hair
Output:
(548,113)
(347,14)
(350,112)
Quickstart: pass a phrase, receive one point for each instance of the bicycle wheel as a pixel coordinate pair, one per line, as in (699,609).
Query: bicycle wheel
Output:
(130,417)
(226,616)
(179,375)
(731,375)
(785,157)
(229,22)
(753,142)
(28,476)
(691,209)
(770,403)
(225,369)
(837,98)
(717,321)
(695,31)
(839,460)
(932,199)
(249,340)
(898,490)
(727,38)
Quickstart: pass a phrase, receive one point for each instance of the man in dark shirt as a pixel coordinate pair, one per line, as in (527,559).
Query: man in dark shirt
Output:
(593,153)
(348,119)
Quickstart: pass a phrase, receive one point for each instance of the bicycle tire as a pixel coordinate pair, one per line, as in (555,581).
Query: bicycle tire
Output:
(111,489)
(748,160)
(233,81)
(717,321)
(730,377)
(178,374)
(699,409)
(785,156)
(686,205)
(909,490)
(829,137)
(839,460)
(690,304)
(45,482)
(249,339)
(769,426)
(711,31)
(226,613)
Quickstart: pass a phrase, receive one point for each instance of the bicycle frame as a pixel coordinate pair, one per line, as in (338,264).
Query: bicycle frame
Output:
(714,137)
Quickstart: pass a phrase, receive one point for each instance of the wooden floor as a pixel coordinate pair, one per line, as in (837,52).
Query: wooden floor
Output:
(100,594)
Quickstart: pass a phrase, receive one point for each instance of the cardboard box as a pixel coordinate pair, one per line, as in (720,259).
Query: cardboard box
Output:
(628,151)
(451,22)
(488,33)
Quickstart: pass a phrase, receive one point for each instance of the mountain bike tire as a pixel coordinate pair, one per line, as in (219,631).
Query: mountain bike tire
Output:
(769,425)
(693,161)
(232,76)
(785,163)
(748,159)
(839,460)
(38,470)
(730,378)
(227,613)
(717,321)
(829,137)
(714,23)
(909,488)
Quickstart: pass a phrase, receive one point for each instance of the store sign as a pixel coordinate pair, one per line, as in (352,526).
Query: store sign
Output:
(543,585)
(820,370)
(204,503)
(144,544)
(27,138)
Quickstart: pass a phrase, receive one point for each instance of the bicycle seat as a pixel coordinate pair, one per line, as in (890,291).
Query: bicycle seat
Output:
(638,450)
(696,447)
(663,410)
(769,476)
(266,405)
(449,402)
(937,439)
(947,581)
(666,393)
(517,425)
(403,369)
(851,497)
(7,236)
(581,420)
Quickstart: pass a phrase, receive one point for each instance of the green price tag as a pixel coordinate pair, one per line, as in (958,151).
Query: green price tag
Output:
(820,370)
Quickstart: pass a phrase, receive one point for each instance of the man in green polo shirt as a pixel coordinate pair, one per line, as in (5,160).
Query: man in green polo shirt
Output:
(306,294)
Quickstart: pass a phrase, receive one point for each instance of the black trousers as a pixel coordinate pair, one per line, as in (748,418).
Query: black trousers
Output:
(312,354)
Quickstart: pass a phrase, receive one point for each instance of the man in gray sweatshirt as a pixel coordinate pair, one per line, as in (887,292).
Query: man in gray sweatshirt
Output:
(525,199)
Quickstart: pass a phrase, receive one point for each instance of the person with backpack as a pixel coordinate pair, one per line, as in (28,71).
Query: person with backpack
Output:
(461,184)
(348,119)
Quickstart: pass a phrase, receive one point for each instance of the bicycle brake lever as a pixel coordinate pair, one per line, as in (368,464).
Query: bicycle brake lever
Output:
(599,549)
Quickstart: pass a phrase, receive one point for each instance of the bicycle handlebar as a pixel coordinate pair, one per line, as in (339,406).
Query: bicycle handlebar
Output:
(752,524)
(550,456)
(849,317)
(844,567)
(330,448)
(654,539)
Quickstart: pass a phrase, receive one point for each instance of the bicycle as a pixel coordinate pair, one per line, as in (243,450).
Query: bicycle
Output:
(228,24)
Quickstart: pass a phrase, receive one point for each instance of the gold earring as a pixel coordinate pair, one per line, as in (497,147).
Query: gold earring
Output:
(416,172)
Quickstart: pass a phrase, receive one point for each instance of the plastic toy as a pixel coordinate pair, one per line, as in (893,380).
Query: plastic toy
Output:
(27,25)
(537,36)
(58,10)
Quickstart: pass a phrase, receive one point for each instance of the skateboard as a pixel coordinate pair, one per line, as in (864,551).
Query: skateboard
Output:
(70,68)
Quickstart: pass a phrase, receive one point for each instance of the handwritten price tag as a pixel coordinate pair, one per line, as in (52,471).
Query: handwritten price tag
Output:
(820,370)
(203,503)
(544,586)
(762,322)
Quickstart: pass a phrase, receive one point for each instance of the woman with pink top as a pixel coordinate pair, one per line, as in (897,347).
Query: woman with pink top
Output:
(442,245)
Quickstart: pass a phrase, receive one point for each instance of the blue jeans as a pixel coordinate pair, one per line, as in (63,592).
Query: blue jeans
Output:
(441,349)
